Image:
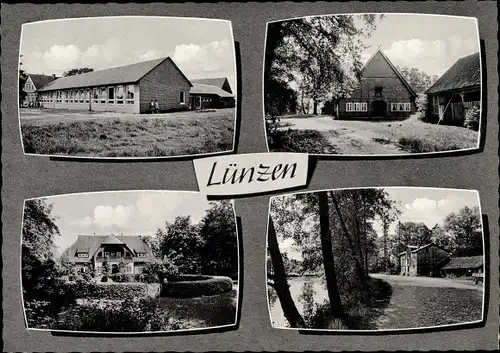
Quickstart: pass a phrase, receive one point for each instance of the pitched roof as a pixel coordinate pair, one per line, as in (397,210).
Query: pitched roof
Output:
(122,74)
(414,248)
(457,263)
(215,81)
(93,242)
(379,51)
(199,88)
(41,80)
(464,73)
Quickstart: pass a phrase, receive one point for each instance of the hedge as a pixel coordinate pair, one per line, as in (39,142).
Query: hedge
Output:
(90,290)
(189,286)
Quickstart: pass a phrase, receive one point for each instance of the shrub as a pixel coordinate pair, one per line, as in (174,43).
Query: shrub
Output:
(309,141)
(104,278)
(472,118)
(129,316)
(91,290)
(189,286)
(122,277)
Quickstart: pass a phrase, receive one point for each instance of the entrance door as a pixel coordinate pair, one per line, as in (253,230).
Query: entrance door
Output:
(379,108)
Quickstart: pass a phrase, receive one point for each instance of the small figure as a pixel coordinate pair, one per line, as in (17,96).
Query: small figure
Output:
(157,107)
(152,107)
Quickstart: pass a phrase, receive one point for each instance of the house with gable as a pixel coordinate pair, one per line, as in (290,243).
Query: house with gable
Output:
(422,260)
(382,92)
(211,93)
(124,89)
(33,83)
(89,252)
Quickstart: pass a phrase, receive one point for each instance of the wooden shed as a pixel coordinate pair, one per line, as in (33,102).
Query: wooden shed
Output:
(464,266)
(456,91)
(129,88)
(422,261)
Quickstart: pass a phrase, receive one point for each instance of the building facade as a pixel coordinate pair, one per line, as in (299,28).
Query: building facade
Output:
(422,261)
(33,83)
(456,91)
(127,89)
(382,92)
(89,252)
(211,93)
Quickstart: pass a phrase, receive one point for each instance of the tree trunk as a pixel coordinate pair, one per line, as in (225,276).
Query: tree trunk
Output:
(336,308)
(280,282)
(315,105)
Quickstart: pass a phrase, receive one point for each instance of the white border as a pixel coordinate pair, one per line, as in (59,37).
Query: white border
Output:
(194,330)
(440,327)
(402,155)
(235,89)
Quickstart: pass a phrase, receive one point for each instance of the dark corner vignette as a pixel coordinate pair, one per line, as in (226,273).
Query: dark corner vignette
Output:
(143,102)
(294,125)
(446,258)
(311,166)
(127,284)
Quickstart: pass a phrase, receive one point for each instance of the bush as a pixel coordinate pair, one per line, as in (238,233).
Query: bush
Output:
(142,315)
(190,286)
(472,118)
(91,290)
(104,278)
(309,141)
(122,277)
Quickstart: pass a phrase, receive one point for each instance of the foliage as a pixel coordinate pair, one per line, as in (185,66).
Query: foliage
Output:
(318,55)
(421,104)
(196,286)
(219,252)
(466,230)
(142,315)
(105,269)
(77,71)
(418,80)
(310,141)
(181,242)
(92,290)
(122,277)
(472,118)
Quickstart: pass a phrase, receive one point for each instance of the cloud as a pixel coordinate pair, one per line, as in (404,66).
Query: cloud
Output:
(430,211)
(431,56)
(209,57)
(108,216)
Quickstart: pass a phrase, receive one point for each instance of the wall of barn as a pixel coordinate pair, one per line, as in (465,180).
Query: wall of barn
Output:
(379,73)
(428,260)
(164,84)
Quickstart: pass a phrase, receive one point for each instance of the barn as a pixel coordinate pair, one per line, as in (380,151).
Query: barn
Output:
(124,89)
(211,93)
(382,92)
(33,83)
(456,91)
(422,261)
(466,266)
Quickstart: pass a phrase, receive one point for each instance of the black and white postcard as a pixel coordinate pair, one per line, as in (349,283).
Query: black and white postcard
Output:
(127,87)
(375,259)
(372,84)
(132,261)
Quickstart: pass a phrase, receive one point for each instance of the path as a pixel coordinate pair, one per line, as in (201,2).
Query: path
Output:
(426,302)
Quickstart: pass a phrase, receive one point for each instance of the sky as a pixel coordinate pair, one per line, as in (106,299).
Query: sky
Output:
(127,213)
(201,48)
(426,205)
(429,43)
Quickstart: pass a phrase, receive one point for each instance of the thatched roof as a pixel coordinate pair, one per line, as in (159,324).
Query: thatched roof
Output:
(457,263)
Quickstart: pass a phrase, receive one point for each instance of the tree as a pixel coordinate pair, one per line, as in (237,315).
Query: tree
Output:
(77,71)
(336,308)
(181,243)
(219,252)
(105,268)
(40,273)
(280,283)
(466,230)
(319,54)
(154,243)
(418,80)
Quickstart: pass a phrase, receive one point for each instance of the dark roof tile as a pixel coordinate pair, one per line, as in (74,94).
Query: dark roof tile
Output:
(464,73)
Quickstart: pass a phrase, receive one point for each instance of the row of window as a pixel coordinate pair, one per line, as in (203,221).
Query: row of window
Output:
(111,254)
(102,95)
(363,107)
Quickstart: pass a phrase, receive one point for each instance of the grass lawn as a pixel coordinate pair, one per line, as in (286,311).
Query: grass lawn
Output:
(100,134)
(382,137)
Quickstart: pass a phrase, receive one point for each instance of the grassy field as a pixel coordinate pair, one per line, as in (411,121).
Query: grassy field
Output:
(367,137)
(91,134)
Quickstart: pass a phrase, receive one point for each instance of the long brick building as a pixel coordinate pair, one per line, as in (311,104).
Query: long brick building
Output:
(129,88)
